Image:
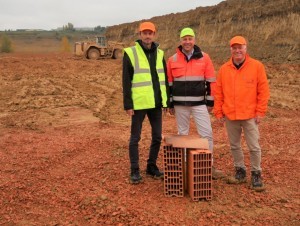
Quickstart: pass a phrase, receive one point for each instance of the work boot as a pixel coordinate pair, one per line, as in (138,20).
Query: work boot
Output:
(217,174)
(240,176)
(153,171)
(256,181)
(135,177)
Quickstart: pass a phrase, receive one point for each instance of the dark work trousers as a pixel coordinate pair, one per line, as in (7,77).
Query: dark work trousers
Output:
(155,117)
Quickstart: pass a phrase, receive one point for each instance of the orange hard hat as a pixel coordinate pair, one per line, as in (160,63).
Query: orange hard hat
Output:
(238,40)
(147,26)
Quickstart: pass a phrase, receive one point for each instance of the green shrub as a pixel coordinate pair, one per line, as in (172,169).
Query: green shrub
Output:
(6,45)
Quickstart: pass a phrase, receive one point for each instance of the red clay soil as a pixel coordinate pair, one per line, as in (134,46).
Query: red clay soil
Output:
(64,152)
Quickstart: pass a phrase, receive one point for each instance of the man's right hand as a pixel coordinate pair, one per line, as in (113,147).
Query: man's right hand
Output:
(172,111)
(130,112)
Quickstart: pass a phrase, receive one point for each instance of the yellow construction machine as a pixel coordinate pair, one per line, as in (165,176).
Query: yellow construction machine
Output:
(99,48)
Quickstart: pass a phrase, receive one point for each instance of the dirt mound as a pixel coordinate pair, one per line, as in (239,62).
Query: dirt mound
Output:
(64,156)
(271,27)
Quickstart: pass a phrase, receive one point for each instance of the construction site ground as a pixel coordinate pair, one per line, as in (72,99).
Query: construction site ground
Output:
(64,152)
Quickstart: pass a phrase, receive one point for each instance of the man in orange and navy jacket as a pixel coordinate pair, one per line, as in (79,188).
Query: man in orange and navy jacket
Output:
(191,77)
(241,100)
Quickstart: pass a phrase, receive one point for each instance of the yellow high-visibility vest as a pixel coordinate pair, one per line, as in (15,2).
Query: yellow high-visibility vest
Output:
(142,88)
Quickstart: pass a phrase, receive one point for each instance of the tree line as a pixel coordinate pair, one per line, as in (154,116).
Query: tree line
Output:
(70,27)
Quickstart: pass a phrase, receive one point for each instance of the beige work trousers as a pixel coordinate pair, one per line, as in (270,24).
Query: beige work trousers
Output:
(251,133)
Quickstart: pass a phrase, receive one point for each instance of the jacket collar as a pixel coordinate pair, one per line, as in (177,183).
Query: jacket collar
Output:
(247,59)
(197,54)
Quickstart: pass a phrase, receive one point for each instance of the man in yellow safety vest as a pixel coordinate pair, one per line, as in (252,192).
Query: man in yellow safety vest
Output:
(145,92)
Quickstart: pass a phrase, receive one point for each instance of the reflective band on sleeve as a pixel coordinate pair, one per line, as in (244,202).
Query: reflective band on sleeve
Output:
(190,78)
(213,79)
(170,83)
(175,57)
(162,83)
(160,70)
(210,98)
(188,98)
(141,84)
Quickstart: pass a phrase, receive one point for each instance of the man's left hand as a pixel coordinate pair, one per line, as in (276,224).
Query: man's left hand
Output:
(258,119)
(209,109)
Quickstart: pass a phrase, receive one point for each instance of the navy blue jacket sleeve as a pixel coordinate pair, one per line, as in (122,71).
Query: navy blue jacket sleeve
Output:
(126,82)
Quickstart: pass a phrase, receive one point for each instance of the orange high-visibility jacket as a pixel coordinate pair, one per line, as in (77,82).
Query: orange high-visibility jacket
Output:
(191,81)
(242,93)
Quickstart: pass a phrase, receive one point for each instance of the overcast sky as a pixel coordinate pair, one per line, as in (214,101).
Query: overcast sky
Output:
(50,14)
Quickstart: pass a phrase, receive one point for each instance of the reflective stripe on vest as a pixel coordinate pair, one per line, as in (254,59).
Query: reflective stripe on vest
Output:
(142,87)
(139,84)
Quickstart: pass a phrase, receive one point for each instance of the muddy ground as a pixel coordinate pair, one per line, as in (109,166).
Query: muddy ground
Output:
(64,156)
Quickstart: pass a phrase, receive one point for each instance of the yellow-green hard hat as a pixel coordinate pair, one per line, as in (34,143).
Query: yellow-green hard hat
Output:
(187,31)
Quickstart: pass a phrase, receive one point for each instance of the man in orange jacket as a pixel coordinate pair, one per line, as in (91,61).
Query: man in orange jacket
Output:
(191,77)
(241,99)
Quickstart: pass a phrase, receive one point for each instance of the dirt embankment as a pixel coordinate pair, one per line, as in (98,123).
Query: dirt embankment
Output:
(271,27)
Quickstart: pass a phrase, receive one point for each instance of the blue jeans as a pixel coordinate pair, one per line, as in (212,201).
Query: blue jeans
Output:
(155,117)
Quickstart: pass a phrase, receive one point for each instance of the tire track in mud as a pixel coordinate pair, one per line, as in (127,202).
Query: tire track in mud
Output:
(46,86)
